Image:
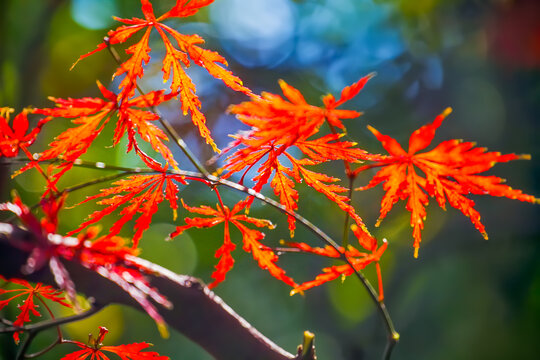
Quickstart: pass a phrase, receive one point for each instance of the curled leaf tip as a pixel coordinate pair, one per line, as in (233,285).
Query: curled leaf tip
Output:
(72,66)
(5,111)
(371,75)
(214,147)
(163,331)
(447,112)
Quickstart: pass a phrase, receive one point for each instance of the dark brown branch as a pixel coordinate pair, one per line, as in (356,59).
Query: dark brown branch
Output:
(199,314)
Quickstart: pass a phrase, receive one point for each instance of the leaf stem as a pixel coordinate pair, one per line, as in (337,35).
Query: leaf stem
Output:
(346,222)
(46,349)
(50,314)
(351,176)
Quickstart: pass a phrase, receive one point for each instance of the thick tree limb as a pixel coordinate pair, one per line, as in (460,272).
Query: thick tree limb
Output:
(198,313)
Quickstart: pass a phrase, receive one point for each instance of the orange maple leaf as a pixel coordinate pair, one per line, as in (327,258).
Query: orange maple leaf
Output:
(265,257)
(92,114)
(29,306)
(276,126)
(358,259)
(139,194)
(95,349)
(176,57)
(449,173)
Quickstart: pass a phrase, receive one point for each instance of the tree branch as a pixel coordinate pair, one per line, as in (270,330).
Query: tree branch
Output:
(199,314)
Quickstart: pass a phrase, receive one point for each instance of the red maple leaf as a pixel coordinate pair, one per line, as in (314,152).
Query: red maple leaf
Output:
(41,229)
(92,114)
(107,255)
(29,306)
(96,350)
(176,57)
(15,138)
(449,173)
(357,258)
(110,257)
(277,125)
(138,194)
(251,238)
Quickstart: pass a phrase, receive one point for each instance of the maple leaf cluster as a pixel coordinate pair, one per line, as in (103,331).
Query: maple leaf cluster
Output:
(95,349)
(276,126)
(285,141)
(106,255)
(175,58)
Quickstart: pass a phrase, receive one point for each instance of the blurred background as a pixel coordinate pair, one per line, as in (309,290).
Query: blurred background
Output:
(463,298)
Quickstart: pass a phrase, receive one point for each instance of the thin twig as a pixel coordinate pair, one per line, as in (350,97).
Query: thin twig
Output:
(50,314)
(43,325)
(46,349)
(26,345)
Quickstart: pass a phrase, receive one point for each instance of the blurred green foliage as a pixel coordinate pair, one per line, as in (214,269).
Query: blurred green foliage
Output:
(464,298)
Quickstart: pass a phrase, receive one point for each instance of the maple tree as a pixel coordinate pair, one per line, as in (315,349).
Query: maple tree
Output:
(286,142)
